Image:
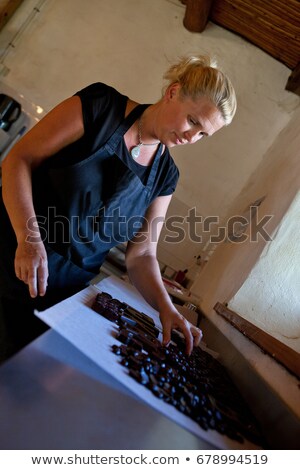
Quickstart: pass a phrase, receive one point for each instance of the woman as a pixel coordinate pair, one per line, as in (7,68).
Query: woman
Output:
(95,172)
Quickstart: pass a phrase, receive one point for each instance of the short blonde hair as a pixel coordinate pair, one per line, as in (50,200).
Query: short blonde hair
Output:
(198,75)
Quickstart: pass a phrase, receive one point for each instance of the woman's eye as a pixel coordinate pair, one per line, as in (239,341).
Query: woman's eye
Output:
(192,121)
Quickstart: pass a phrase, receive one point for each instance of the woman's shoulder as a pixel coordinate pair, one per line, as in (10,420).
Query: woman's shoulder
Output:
(101,103)
(168,175)
(168,159)
(168,167)
(98,91)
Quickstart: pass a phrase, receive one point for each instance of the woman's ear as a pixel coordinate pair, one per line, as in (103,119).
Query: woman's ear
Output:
(172,91)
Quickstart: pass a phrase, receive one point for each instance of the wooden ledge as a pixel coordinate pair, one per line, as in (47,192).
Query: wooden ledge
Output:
(286,356)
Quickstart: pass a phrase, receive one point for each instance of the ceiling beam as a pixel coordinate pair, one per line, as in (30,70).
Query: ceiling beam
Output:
(196,14)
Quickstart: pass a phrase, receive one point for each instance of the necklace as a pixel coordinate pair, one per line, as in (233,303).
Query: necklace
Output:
(135,151)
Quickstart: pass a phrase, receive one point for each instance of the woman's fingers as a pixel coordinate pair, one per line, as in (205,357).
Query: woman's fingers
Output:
(42,278)
(197,334)
(32,282)
(185,328)
(192,334)
(31,267)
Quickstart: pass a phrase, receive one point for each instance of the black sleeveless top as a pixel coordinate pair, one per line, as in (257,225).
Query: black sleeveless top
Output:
(103,110)
(90,196)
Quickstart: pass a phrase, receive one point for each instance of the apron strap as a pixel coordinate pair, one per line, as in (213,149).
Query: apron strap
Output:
(115,139)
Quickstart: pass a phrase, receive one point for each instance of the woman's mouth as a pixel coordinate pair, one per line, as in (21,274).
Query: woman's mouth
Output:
(178,141)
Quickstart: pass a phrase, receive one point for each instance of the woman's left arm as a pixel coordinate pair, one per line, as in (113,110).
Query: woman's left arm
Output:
(144,273)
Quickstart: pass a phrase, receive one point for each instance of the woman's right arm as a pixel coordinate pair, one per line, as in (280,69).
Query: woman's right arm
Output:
(59,128)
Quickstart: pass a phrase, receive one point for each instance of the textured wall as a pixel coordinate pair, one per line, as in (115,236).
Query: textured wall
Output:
(269,297)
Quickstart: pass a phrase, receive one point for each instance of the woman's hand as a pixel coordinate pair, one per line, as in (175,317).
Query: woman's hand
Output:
(174,320)
(31,266)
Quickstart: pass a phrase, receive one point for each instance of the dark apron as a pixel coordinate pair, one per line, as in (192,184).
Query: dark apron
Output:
(99,203)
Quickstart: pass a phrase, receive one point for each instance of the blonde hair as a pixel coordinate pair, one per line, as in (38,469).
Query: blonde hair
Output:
(198,75)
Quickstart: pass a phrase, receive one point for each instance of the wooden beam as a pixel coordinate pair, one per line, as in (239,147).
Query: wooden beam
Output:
(196,14)
(293,83)
(279,351)
(7,9)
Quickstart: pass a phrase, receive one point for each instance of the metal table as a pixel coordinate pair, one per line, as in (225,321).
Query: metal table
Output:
(54,397)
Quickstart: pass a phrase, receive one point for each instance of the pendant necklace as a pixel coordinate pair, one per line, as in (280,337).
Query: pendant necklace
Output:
(135,151)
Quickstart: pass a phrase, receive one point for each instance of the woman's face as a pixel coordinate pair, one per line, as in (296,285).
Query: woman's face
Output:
(185,121)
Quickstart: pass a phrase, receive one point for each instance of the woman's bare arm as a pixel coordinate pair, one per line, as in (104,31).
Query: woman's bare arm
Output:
(143,271)
(59,128)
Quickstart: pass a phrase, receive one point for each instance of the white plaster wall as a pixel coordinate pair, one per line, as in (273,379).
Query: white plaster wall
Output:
(270,296)
(129,44)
